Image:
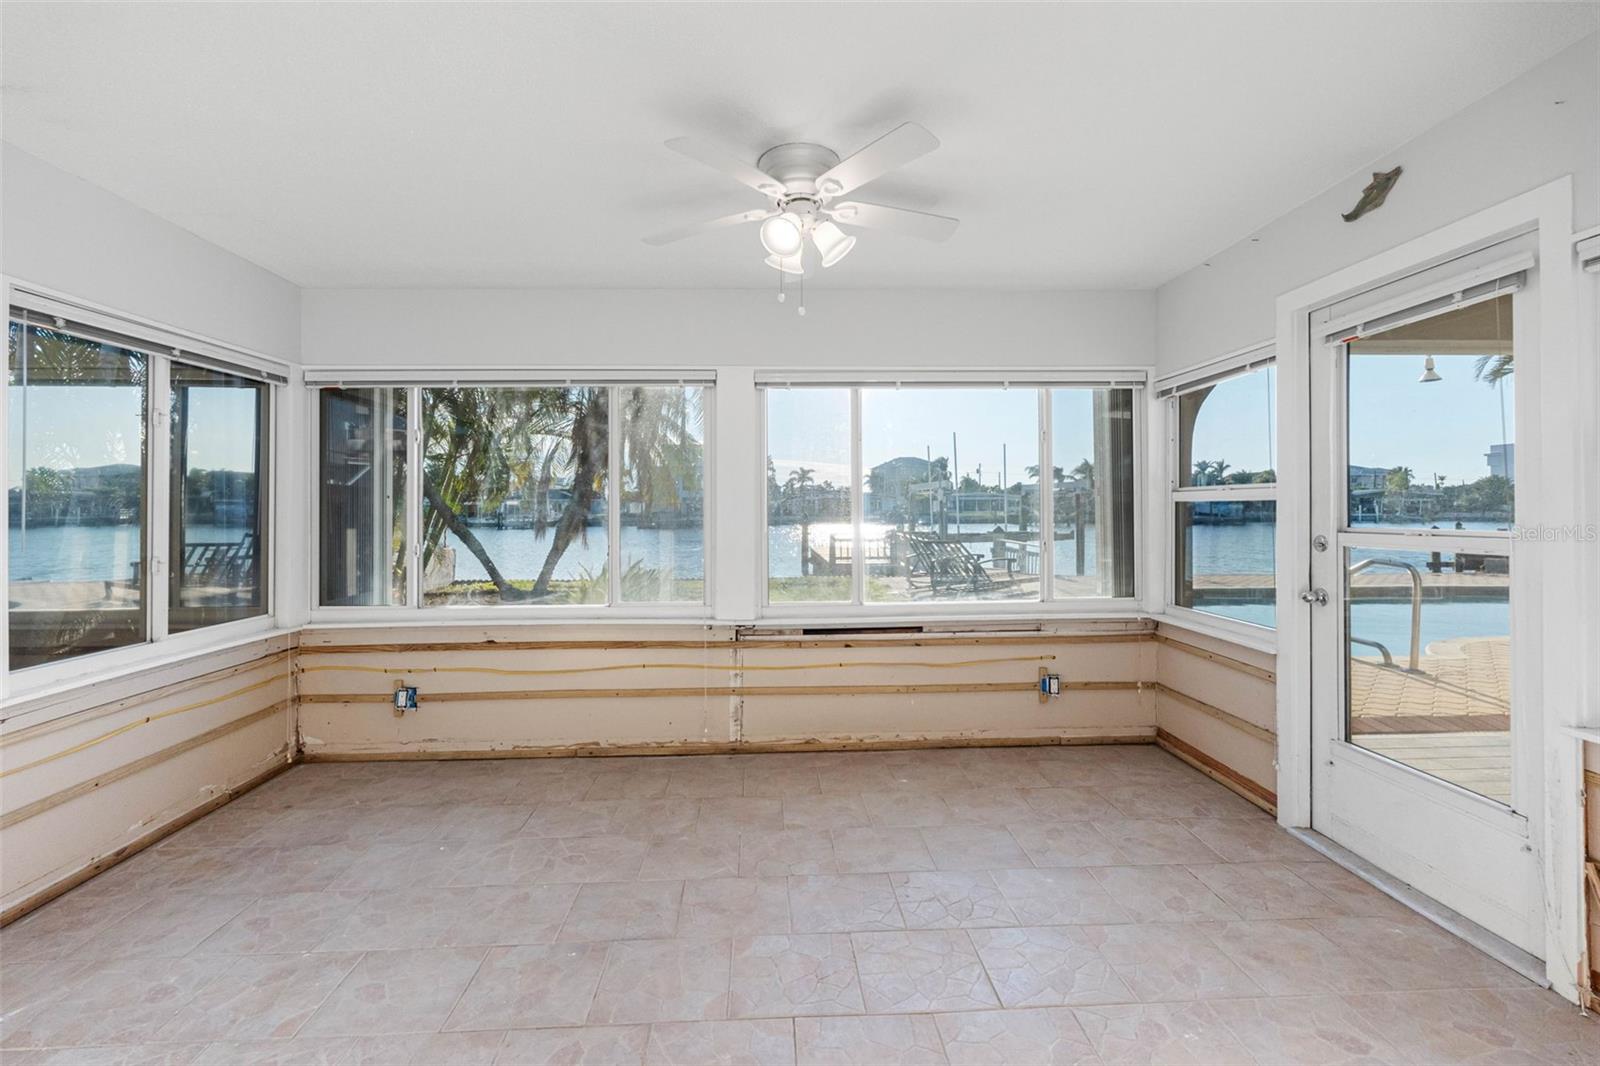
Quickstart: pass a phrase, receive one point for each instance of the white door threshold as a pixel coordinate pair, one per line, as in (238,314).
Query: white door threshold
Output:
(1491,944)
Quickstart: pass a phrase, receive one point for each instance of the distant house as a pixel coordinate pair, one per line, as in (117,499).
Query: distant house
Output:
(893,485)
(1502,460)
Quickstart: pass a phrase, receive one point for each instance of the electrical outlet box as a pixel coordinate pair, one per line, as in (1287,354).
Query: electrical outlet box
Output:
(405,698)
(1049,685)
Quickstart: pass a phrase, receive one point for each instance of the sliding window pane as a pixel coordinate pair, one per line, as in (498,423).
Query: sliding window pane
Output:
(1227,432)
(1091,444)
(809,526)
(514,495)
(663,494)
(218,498)
(1432,433)
(951,494)
(1225,563)
(362,469)
(76,496)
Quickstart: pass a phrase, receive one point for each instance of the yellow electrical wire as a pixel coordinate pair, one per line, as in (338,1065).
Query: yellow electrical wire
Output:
(102,738)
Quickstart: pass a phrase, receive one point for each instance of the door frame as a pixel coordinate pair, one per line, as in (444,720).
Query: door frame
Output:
(1550,495)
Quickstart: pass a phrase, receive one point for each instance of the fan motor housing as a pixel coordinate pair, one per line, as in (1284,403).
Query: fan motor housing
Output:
(798,165)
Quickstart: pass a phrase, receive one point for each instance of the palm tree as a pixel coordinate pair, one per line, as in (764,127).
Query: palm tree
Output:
(483,447)
(800,478)
(1084,471)
(1398,479)
(1492,369)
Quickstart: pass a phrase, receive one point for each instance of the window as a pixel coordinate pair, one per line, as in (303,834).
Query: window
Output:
(77,496)
(113,541)
(663,497)
(810,516)
(1224,494)
(536,495)
(218,523)
(362,475)
(932,493)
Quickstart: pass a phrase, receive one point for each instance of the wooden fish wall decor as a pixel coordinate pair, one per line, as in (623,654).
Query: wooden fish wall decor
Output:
(1373,195)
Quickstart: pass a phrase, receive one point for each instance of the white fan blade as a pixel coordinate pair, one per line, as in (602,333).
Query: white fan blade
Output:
(895,219)
(678,234)
(894,149)
(717,159)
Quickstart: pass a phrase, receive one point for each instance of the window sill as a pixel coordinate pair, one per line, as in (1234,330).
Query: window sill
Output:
(1256,638)
(54,690)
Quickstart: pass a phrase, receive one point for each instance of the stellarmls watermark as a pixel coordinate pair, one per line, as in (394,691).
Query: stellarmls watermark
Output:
(1583,533)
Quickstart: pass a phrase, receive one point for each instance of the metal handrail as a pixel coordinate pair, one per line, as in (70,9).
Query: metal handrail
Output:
(1416,604)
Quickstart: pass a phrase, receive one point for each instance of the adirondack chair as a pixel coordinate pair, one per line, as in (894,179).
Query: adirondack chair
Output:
(948,565)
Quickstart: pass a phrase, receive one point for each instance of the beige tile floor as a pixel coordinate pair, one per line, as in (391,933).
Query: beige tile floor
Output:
(1024,905)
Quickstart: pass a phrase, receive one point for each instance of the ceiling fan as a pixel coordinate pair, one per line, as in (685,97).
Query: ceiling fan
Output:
(802,183)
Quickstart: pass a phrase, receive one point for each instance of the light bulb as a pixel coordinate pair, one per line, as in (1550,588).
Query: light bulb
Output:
(1429,374)
(781,235)
(832,242)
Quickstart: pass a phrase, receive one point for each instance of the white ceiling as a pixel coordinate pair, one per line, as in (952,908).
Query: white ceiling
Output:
(397,145)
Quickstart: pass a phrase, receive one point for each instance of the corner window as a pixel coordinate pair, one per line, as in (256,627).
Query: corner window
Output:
(106,549)
(926,494)
(361,500)
(1224,496)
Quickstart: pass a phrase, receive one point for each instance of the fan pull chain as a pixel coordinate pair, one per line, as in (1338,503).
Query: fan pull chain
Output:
(802,295)
(781,295)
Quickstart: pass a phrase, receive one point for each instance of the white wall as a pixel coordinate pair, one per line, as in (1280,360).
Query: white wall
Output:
(966,329)
(63,233)
(1511,141)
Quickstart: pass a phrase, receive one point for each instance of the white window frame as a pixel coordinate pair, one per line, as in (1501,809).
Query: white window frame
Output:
(162,345)
(1168,391)
(413,611)
(858,609)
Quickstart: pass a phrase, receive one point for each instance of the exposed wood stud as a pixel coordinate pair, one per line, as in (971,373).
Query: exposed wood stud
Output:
(1217,657)
(1258,794)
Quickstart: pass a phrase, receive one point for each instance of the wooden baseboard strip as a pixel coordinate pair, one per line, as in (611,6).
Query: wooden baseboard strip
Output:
(1266,736)
(720,692)
(1256,793)
(282,760)
(84,788)
(1217,657)
(751,747)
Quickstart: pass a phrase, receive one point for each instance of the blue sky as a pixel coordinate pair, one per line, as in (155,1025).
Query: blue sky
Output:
(85,426)
(811,427)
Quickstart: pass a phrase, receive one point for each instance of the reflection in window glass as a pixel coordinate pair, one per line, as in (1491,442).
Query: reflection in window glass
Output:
(1431,433)
(1428,669)
(362,470)
(514,495)
(76,496)
(950,503)
(1227,432)
(1091,441)
(663,494)
(218,531)
(1225,558)
(809,529)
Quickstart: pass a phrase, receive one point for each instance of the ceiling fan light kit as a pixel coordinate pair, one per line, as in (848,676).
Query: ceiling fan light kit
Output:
(802,182)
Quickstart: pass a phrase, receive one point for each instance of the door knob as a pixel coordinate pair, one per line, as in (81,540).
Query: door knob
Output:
(1316,596)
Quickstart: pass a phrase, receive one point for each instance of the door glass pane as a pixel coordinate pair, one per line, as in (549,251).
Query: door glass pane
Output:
(362,547)
(663,494)
(1091,444)
(76,496)
(809,531)
(1226,559)
(950,502)
(218,513)
(1431,428)
(1227,432)
(1428,662)
(514,495)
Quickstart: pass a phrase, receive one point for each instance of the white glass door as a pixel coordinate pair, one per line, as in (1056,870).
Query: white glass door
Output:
(1424,762)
